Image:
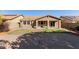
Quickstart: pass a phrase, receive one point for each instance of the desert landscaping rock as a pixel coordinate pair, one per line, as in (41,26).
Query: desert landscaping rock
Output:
(40,40)
(43,40)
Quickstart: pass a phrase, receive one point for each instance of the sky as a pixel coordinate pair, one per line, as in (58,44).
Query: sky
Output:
(57,13)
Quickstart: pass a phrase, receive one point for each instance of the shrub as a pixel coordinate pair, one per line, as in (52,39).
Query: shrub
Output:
(58,30)
(46,30)
(77,28)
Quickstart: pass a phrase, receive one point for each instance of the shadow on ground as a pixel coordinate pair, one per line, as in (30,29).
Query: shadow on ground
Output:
(42,40)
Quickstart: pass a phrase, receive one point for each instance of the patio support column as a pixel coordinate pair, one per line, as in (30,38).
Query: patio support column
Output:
(48,23)
(36,24)
(59,23)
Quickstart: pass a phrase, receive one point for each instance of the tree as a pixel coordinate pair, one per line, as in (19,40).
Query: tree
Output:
(1,19)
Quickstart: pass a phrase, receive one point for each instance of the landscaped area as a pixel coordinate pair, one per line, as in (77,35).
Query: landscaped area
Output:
(23,31)
(18,32)
(42,39)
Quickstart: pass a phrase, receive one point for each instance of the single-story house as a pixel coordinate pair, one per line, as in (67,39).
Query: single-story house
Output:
(38,22)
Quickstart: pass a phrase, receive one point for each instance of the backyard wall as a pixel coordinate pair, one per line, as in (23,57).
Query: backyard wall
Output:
(69,25)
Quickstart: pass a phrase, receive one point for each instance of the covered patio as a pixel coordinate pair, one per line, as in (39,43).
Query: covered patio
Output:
(43,24)
(48,21)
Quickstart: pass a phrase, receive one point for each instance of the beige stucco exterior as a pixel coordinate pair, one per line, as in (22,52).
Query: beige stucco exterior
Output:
(48,20)
(33,23)
(13,24)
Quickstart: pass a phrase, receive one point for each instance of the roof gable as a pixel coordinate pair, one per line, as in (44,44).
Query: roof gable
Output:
(10,17)
(48,16)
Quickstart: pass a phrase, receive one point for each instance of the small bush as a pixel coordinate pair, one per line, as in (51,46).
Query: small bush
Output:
(46,30)
(59,30)
(77,28)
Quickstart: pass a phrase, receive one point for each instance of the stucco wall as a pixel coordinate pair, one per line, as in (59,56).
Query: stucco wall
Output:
(58,24)
(13,24)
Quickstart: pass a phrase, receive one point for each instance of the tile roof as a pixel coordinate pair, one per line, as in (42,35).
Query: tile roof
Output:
(9,17)
(31,17)
(38,17)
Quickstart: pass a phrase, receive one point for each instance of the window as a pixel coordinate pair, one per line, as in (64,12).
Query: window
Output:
(28,22)
(24,22)
(52,23)
(42,22)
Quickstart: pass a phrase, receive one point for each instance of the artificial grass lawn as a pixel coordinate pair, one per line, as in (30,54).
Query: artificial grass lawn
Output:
(54,30)
(23,31)
(17,32)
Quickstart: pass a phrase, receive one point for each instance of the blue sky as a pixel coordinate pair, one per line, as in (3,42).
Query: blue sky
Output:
(42,12)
